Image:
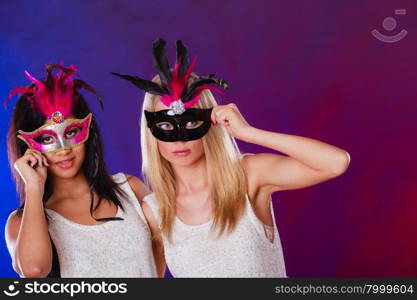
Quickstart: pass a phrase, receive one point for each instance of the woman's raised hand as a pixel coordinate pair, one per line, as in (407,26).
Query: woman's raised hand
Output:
(32,168)
(230,117)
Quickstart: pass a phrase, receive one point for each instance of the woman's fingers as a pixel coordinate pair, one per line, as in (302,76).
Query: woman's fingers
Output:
(31,160)
(32,167)
(45,161)
(215,113)
(42,161)
(38,158)
(223,115)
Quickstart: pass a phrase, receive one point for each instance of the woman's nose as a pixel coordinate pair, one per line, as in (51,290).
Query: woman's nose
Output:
(63,151)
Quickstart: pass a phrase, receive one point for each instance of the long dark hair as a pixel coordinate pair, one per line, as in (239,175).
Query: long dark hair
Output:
(26,118)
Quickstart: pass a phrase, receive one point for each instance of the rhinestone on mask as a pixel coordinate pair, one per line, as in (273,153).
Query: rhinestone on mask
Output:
(57,117)
(176,108)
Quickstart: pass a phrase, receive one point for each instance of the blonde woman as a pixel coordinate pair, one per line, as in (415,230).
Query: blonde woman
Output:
(211,204)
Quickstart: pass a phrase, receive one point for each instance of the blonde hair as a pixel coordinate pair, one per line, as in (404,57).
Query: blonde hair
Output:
(226,176)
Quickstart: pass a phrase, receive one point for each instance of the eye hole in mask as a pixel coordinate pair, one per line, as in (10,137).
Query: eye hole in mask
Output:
(72,131)
(46,137)
(167,126)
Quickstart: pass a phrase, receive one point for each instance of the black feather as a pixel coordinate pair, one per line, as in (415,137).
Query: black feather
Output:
(161,62)
(202,80)
(81,84)
(182,54)
(146,85)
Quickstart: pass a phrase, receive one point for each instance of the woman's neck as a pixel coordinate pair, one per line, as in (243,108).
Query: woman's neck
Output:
(191,178)
(73,188)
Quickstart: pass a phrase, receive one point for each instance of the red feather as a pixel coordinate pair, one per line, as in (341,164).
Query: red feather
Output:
(56,96)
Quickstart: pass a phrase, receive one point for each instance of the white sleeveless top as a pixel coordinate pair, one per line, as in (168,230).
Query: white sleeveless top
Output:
(112,249)
(195,250)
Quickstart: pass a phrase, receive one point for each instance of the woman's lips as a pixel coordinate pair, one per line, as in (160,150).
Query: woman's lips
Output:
(182,152)
(66,164)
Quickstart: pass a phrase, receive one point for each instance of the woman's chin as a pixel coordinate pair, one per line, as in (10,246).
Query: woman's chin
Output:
(185,160)
(64,173)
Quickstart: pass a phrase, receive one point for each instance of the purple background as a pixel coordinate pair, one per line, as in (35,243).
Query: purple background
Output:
(308,68)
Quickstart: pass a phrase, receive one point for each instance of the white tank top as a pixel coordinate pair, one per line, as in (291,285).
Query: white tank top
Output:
(112,249)
(245,252)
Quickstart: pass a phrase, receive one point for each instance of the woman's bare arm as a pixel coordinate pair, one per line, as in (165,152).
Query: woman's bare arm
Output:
(157,244)
(308,162)
(28,239)
(27,236)
(140,190)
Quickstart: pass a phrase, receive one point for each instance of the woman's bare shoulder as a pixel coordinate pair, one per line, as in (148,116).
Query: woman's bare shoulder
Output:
(138,187)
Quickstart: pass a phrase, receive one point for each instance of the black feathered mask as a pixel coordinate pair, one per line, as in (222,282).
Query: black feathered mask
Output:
(179,122)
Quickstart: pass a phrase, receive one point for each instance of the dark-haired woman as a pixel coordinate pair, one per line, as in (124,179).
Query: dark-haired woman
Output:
(75,220)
